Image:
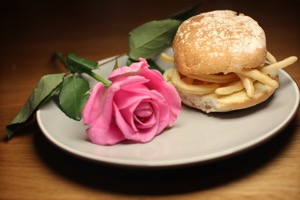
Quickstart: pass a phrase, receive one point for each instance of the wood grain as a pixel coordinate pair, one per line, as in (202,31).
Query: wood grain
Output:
(32,168)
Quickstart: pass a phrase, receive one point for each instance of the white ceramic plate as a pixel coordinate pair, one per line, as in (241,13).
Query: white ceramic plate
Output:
(196,137)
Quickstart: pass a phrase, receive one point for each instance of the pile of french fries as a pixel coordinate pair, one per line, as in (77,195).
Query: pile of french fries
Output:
(226,84)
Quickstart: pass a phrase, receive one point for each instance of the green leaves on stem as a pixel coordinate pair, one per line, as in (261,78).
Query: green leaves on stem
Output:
(75,90)
(151,38)
(72,91)
(73,96)
(45,89)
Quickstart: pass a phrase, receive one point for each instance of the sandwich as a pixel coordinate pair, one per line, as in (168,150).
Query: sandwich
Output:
(222,63)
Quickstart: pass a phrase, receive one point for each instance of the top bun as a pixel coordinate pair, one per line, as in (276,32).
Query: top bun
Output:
(218,42)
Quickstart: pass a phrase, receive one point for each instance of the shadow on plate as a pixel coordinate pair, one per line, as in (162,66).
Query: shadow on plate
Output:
(161,181)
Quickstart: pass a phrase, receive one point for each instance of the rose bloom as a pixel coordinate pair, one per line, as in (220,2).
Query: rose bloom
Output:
(138,105)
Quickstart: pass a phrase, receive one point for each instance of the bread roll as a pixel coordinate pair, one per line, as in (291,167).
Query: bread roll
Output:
(218,43)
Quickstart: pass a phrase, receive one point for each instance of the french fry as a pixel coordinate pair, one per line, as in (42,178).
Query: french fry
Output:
(248,84)
(167,58)
(168,74)
(215,78)
(259,76)
(235,81)
(271,58)
(192,89)
(279,65)
(237,86)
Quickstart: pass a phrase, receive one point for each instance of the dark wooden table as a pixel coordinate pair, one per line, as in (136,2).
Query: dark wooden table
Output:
(31,167)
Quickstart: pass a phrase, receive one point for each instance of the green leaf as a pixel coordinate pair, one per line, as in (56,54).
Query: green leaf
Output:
(73,96)
(45,89)
(151,38)
(186,13)
(80,65)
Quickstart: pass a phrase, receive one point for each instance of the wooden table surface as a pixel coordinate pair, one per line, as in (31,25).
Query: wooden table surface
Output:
(31,167)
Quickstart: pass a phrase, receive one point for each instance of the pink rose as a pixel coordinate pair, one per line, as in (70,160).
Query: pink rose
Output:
(137,106)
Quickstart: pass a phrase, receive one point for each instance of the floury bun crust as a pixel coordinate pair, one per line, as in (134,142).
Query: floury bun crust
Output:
(218,42)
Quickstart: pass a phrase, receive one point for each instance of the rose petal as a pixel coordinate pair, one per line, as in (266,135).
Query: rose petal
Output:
(129,115)
(128,100)
(143,110)
(105,137)
(160,110)
(137,105)
(128,96)
(158,103)
(163,111)
(127,82)
(104,117)
(141,124)
(139,135)
(144,116)
(123,125)
(174,102)
(156,82)
(128,71)
(93,106)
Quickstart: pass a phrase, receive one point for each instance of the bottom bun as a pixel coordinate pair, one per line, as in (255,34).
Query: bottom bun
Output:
(236,101)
